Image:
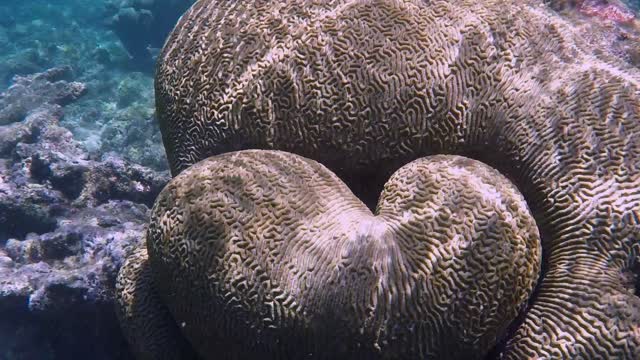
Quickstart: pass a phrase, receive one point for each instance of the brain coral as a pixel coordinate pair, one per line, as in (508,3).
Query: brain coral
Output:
(268,255)
(366,86)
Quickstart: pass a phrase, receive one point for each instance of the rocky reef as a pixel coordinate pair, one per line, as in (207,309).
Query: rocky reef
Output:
(68,218)
(29,93)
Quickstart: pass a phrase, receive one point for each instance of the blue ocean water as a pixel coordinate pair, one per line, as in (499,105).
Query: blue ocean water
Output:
(110,47)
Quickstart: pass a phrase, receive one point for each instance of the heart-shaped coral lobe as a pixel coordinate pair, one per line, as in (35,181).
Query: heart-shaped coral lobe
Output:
(266,254)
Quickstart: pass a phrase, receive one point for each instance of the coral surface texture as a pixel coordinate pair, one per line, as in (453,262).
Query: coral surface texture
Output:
(288,263)
(325,204)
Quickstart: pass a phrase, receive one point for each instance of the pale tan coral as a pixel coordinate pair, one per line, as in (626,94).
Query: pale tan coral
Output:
(150,329)
(365,86)
(268,255)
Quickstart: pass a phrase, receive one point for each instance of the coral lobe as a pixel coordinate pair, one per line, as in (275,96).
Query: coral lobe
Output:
(367,86)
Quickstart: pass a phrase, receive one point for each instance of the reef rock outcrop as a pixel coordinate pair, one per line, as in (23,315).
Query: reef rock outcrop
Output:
(67,222)
(28,93)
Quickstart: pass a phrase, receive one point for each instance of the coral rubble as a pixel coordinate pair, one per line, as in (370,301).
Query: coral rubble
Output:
(67,222)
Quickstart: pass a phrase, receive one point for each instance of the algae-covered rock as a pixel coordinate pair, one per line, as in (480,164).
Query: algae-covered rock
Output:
(68,220)
(28,93)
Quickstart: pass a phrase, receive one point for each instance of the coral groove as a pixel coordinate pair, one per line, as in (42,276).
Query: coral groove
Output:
(367,86)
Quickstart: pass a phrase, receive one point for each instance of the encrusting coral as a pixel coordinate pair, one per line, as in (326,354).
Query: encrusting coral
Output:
(365,87)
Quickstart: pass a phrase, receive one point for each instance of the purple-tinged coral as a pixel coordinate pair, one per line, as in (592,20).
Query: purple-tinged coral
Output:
(28,93)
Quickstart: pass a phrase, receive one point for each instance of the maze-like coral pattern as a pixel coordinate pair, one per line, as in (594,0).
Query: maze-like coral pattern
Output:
(268,255)
(366,86)
(150,329)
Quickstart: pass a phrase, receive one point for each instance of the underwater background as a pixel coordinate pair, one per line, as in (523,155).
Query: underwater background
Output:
(81,161)
(81,158)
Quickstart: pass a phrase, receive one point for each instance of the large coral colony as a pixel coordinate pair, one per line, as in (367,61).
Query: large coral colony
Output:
(502,148)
